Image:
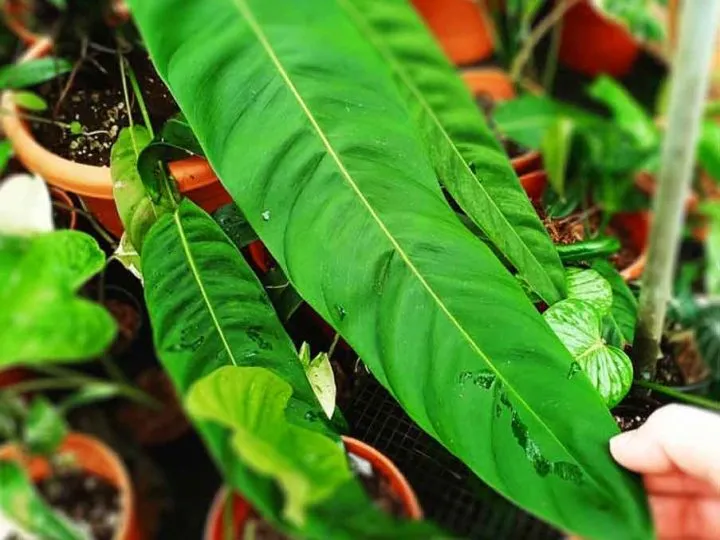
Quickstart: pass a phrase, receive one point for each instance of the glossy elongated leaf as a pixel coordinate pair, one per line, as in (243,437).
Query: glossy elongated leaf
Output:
(322,379)
(707,334)
(303,123)
(251,402)
(209,311)
(638,16)
(42,319)
(578,325)
(469,161)
(21,503)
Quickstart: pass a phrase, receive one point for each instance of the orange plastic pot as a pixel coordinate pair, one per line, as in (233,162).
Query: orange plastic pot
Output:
(534,184)
(636,226)
(92,457)
(241,510)
(461,28)
(593,44)
(496,84)
(93,184)
(15,12)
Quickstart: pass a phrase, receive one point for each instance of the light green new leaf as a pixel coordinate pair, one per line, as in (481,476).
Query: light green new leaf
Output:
(619,324)
(29,101)
(251,402)
(209,311)
(42,319)
(589,286)
(137,210)
(712,248)
(45,428)
(627,112)
(555,147)
(322,379)
(469,161)
(23,505)
(578,325)
(302,121)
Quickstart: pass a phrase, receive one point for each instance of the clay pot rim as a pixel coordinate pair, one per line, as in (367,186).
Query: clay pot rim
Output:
(85,180)
(379,461)
(121,481)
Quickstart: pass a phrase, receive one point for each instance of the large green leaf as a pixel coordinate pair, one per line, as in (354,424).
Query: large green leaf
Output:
(41,318)
(303,123)
(21,503)
(209,311)
(469,161)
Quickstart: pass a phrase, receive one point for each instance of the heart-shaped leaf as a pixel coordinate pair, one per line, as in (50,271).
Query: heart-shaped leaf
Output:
(589,286)
(579,327)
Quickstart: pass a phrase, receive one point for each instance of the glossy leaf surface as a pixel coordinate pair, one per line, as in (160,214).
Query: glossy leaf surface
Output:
(468,159)
(591,287)
(42,319)
(578,325)
(300,118)
(208,312)
(619,324)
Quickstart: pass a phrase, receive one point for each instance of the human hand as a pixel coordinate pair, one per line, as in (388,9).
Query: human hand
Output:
(677,451)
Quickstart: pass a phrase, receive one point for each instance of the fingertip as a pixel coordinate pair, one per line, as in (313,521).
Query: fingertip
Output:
(621,445)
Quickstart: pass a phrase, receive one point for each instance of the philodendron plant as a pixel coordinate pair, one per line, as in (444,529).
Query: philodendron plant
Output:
(330,123)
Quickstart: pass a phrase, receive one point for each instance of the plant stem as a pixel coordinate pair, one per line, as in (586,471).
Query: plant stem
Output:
(536,35)
(689,86)
(550,68)
(688,398)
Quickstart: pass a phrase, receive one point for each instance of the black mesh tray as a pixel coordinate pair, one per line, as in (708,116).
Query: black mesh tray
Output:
(449,493)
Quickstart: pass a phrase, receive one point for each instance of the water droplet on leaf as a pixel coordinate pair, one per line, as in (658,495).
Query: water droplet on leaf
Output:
(266,215)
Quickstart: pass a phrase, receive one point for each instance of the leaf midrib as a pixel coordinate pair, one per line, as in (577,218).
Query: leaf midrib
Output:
(262,38)
(390,58)
(196,274)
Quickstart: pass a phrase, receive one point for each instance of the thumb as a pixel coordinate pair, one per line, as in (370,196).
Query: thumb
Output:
(674,437)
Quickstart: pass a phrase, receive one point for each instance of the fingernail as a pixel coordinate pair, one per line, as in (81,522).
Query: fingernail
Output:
(620,442)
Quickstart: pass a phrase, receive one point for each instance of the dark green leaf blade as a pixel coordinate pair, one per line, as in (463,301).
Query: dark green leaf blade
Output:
(465,153)
(623,312)
(342,194)
(209,311)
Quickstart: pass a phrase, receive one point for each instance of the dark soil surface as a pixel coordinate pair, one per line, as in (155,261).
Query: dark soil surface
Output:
(681,363)
(86,499)
(487,105)
(95,100)
(633,412)
(580,226)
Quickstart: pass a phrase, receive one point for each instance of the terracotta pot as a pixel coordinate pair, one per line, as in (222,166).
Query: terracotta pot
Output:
(497,85)
(592,44)
(12,376)
(636,226)
(61,196)
(460,26)
(93,457)
(194,176)
(534,184)
(15,12)
(215,525)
